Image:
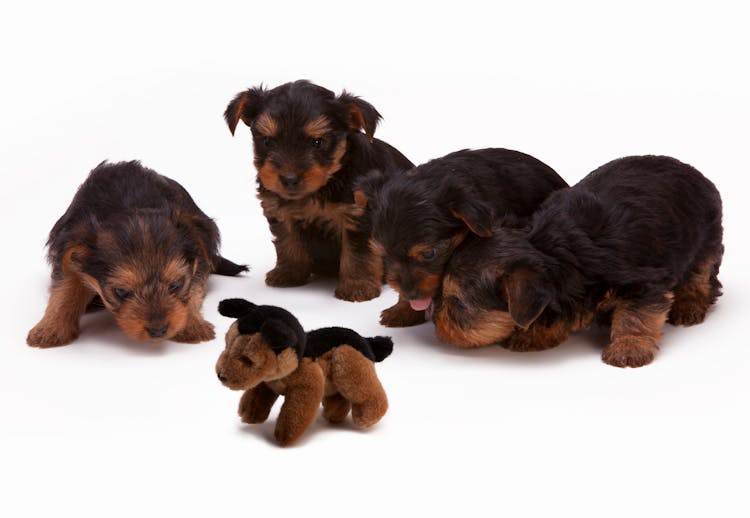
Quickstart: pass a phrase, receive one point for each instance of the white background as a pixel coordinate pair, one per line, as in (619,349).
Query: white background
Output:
(110,427)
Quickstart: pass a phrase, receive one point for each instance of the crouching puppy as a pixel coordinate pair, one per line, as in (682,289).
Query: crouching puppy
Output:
(268,354)
(309,148)
(421,216)
(135,242)
(635,244)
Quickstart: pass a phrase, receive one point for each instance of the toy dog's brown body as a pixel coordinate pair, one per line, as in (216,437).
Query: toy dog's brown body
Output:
(267,357)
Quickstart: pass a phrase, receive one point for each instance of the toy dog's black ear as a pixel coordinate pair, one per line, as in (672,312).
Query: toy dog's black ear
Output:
(477,215)
(245,106)
(278,335)
(235,308)
(527,293)
(362,115)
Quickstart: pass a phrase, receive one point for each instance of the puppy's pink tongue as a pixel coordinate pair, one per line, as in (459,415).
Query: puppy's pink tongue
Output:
(420,304)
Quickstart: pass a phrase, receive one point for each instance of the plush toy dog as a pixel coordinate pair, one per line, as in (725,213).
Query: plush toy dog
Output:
(268,354)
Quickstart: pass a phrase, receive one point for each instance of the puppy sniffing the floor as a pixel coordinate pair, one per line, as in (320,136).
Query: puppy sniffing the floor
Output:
(420,217)
(636,243)
(310,146)
(137,242)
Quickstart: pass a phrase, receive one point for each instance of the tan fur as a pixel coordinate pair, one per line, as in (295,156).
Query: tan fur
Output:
(693,298)
(266,125)
(317,128)
(402,315)
(359,276)
(635,334)
(537,337)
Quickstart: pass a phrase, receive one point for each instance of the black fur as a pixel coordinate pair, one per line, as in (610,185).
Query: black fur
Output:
(635,229)
(322,340)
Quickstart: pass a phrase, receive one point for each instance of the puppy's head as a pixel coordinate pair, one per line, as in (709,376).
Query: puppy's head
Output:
(264,344)
(148,268)
(300,133)
(492,287)
(418,219)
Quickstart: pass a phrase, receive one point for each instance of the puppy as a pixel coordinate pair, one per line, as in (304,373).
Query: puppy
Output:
(419,218)
(636,243)
(136,242)
(268,354)
(309,149)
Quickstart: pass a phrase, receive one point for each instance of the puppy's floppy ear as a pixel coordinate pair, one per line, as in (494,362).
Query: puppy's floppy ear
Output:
(235,308)
(527,293)
(362,115)
(245,106)
(278,335)
(367,187)
(477,215)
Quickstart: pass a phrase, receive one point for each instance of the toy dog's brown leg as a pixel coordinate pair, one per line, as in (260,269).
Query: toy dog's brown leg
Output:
(355,378)
(537,337)
(256,404)
(360,271)
(635,333)
(196,329)
(401,315)
(304,391)
(693,298)
(67,303)
(293,262)
(336,407)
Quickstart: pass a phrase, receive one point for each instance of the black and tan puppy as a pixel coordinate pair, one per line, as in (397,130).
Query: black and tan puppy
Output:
(268,354)
(136,241)
(420,217)
(636,243)
(309,148)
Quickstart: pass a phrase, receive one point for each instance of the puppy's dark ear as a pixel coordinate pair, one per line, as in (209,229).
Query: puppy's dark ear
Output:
(362,115)
(367,186)
(278,335)
(477,215)
(235,308)
(527,294)
(245,106)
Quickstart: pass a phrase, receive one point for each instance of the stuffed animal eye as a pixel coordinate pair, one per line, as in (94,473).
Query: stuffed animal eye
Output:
(428,255)
(316,143)
(247,361)
(176,286)
(123,294)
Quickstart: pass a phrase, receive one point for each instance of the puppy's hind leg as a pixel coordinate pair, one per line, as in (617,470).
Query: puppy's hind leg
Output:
(60,324)
(694,296)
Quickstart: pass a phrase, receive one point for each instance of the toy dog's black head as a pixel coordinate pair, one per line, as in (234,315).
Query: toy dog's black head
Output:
(418,220)
(266,343)
(300,133)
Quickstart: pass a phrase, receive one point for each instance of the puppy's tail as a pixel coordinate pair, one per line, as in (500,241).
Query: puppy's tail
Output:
(224,266)
(382,347)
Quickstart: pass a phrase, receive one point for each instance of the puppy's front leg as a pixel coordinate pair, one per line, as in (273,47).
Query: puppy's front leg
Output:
(360,271)
(67,303)
(402,315)
(304,392)
(636,330)
(293,262)
(196,328)
(537,337)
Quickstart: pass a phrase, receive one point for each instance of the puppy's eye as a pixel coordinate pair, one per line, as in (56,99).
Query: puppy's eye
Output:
(176,286)
(457,303)
(246,360)
(269,141)
(428,255)
(316,143)
(123,294)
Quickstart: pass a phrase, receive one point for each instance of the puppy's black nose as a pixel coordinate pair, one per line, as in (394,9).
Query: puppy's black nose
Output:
(157,331)
(221,378)
(289,180)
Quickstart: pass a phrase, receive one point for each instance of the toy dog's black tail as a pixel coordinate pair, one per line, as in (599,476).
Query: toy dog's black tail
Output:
(224,266)
(382,347)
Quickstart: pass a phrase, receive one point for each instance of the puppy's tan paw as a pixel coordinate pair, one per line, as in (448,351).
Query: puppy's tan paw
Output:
(357,291)
(287,277)
(196,332)
(45,335)
(629,352)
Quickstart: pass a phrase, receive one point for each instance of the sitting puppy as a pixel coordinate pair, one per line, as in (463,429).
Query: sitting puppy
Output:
(419,218)
(136,242)
(636,243)
(268,354)
(309,149)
